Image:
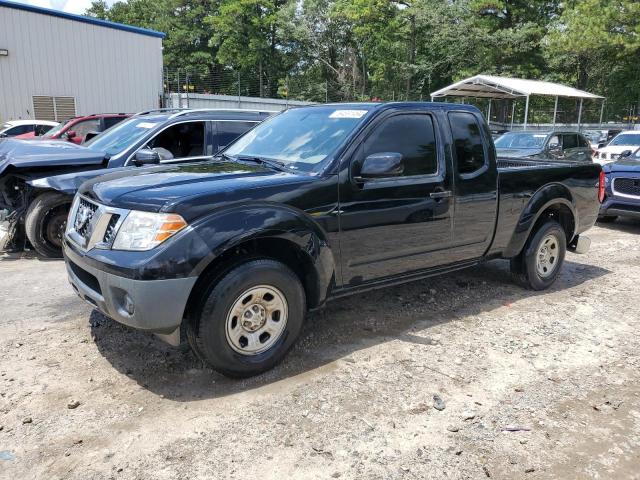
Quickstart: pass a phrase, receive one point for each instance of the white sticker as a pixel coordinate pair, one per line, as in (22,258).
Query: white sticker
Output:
(348,114)
(146,125)
(539,136)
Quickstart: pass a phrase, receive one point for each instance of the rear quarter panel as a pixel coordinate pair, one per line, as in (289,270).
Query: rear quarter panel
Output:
(526,192)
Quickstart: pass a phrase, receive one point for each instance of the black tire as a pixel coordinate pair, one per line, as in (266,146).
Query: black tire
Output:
(524,267)
(607,218)
(45,222)
(207,332)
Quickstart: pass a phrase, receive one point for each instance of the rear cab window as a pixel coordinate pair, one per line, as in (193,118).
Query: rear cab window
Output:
(468,144)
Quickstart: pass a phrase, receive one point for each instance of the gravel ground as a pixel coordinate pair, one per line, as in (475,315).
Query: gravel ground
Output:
(461,376)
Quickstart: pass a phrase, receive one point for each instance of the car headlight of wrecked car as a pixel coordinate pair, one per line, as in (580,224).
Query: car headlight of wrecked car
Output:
(146,230)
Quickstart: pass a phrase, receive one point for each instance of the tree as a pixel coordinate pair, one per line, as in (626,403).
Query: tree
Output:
(595,44)
(246,37)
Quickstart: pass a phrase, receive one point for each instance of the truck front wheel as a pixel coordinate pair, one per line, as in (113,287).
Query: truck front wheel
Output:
(539,263)
(249,319)
(45,223)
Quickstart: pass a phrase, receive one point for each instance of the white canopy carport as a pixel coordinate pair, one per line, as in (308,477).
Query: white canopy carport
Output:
(492,87)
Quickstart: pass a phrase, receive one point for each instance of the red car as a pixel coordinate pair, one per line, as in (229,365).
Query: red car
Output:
(76,129)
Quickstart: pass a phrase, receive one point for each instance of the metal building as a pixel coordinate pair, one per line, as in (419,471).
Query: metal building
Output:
(55,65)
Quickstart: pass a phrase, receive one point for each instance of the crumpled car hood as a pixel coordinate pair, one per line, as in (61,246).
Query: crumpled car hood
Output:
(24,154)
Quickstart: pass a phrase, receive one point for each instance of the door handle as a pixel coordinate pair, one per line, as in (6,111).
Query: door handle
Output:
(441,194)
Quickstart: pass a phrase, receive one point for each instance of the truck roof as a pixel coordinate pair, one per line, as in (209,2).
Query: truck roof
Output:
(387,105)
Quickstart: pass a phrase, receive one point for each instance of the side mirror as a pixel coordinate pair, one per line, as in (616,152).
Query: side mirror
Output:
(626,153)
(381,165)
(146,156)
(602,145)
(70,134)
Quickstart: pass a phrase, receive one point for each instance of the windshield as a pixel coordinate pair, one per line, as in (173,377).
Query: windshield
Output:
(300,138)
(626,139)
(55,130)
(115,139)
(521,140)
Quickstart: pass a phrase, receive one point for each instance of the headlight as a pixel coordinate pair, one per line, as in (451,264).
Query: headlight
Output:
(145,230)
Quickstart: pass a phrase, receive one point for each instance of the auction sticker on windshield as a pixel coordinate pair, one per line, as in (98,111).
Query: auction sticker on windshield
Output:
(348,114)
(146,125)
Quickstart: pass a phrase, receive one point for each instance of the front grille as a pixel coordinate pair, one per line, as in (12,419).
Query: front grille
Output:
(84,218)
(627,186)
(93,225)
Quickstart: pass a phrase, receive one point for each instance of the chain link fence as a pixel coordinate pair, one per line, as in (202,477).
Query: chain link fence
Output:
(191,86)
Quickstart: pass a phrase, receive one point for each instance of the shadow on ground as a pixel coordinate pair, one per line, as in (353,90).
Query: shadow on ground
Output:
(344,326)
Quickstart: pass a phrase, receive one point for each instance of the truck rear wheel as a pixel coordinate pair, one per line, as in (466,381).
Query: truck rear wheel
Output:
(45,223)
(249,319)
(539,263)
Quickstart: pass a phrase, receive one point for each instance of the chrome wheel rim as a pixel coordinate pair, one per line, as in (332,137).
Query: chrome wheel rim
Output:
(256,320)
(547,256)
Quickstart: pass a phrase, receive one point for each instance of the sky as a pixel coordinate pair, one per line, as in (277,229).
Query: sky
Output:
(69,6)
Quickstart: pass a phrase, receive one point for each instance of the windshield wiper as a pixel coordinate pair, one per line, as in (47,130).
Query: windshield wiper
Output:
(269,162)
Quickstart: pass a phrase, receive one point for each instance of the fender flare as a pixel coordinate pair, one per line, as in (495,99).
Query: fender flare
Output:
(268,222)
(548,196)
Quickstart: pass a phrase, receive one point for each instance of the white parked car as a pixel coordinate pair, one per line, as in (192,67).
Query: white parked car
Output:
(627,140)
(18,127)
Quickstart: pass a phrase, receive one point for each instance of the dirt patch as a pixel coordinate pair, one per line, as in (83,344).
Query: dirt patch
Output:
(534,385)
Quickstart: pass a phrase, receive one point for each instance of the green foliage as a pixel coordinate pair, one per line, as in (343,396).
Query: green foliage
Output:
(401,49)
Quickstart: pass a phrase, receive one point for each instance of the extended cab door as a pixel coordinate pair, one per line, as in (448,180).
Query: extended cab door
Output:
(402,223)
(476,192)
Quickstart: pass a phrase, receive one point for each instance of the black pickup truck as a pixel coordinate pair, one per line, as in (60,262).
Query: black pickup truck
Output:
(316,203)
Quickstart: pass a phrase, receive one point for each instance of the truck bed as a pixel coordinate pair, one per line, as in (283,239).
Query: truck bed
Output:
(519,180)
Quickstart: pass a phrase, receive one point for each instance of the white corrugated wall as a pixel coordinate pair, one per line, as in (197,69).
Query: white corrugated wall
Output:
(105,69)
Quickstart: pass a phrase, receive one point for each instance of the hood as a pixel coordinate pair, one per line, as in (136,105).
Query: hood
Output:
(24,154)
(157,188)
(518,152)
(625,165)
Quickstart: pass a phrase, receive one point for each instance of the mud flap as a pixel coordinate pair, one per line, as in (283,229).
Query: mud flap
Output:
(579,244)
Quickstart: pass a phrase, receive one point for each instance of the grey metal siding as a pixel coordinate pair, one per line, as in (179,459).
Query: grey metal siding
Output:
(105,69)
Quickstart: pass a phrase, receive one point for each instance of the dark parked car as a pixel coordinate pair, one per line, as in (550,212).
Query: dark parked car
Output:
(554,145)
(622,194)
(78,129)
(38,179)
(316,203)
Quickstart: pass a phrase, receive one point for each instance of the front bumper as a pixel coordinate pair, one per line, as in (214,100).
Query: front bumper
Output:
(153,305)
(617,206)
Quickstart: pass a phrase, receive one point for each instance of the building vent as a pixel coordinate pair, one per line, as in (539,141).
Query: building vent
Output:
(57,109)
